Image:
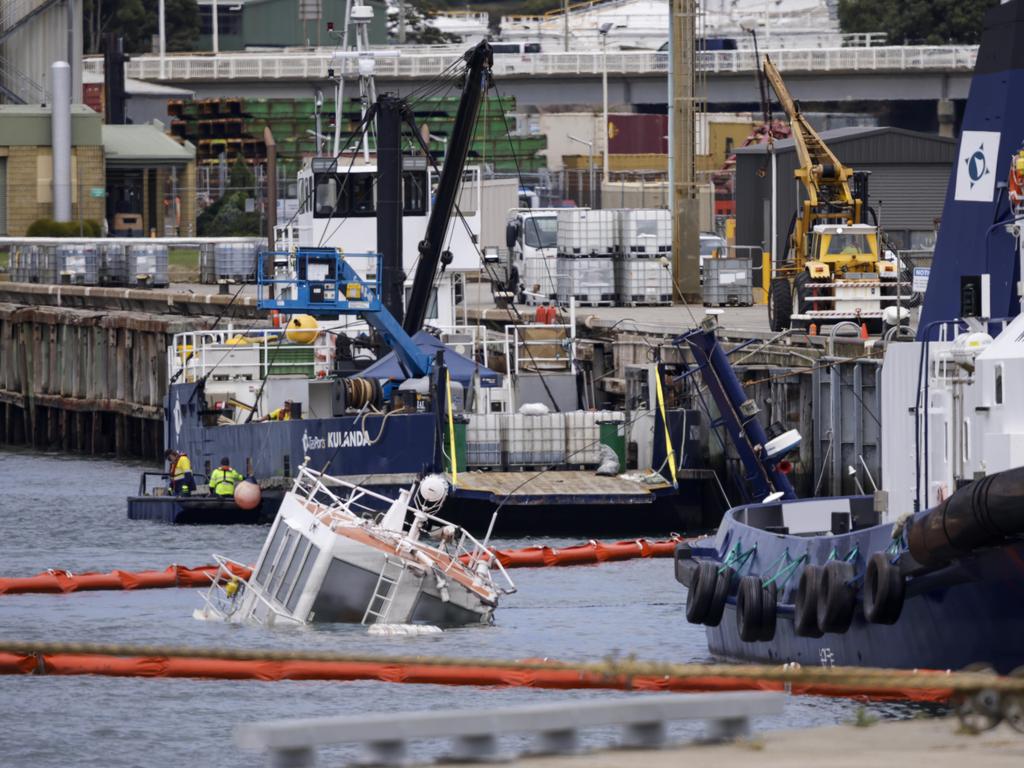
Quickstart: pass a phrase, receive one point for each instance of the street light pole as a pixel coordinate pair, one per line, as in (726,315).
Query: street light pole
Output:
(590,146)
(163,37)
(604,93)
(565,23)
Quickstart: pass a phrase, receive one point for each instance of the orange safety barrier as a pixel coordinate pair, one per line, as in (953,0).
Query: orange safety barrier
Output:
(586,554)
(57,581)
(403,671)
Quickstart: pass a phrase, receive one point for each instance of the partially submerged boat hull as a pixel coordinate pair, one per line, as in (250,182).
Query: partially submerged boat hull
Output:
(330,557)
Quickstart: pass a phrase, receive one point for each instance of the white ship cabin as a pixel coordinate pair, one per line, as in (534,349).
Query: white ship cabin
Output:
(338,208)
(973,424)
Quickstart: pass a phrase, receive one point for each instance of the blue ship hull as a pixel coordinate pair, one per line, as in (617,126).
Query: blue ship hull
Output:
(387,454)
(969,611)
(399,445)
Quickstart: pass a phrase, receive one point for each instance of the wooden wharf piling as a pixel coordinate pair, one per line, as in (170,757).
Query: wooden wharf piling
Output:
(85,381)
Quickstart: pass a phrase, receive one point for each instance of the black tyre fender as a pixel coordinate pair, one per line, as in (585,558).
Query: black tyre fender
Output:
(769,608)
(805,603)
(748,609)
(836,598)
(701,591)
(884,590)
(716,608)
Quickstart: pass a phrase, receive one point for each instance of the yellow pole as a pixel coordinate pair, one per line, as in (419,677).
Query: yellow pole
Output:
(668,440)
(766,276)
(451,429)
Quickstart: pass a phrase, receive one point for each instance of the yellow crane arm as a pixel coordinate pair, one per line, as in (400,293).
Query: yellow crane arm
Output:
(819,167)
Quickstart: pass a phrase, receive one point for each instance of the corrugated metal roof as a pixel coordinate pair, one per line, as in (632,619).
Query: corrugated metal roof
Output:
(875,144)
(143,145)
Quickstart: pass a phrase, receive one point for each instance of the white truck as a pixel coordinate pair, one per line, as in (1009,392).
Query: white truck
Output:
(531,236)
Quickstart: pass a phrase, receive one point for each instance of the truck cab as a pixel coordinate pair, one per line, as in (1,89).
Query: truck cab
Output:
(531,235)
(845,247)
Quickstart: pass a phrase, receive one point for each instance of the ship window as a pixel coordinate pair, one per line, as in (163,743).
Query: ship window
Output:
(999,384)
(291,539)
(268,561)
(301,548)
(300,583)
(431,304)
(326,204)
(360,188)
(414,192)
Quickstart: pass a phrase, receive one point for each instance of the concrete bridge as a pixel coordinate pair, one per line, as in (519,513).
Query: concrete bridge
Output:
(876,73)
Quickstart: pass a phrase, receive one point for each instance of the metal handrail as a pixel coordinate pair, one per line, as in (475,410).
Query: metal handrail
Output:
(387,736)
(193,355)
(312,482)
(314,63)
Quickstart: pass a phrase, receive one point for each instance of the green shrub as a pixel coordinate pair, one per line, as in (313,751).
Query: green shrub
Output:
(51,228)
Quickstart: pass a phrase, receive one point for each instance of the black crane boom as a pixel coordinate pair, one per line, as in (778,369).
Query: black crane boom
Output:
(478,80)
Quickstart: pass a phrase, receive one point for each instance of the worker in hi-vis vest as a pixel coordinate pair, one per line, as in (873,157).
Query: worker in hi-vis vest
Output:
(224,479)
(180,473)
(284,413)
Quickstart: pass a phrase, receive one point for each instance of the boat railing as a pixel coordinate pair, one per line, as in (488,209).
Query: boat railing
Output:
(469,551)
(246,354)
(217,599)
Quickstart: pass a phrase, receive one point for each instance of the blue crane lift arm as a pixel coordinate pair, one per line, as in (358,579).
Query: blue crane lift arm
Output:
(320,281)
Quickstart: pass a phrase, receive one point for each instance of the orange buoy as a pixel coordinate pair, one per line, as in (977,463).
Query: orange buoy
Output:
(247,495)
(812,330)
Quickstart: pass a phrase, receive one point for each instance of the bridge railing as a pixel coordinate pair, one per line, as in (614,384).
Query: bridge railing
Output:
(315,63)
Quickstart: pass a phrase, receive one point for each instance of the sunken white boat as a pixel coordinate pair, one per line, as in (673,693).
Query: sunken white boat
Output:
(332,555)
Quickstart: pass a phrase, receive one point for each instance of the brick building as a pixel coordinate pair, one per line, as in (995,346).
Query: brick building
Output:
(26,166)
(114,168)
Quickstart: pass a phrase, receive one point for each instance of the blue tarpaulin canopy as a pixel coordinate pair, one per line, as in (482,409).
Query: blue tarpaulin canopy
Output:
(460,367)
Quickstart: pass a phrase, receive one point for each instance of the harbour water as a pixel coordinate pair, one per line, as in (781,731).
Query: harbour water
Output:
(61,512)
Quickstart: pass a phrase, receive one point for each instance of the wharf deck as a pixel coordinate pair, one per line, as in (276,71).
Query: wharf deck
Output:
(929,743)
(555,487)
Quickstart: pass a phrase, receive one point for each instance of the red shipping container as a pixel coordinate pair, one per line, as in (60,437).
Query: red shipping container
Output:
(638,134)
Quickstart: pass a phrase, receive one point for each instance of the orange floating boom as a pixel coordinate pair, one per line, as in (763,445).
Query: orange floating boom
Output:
(892,685)
(55,581)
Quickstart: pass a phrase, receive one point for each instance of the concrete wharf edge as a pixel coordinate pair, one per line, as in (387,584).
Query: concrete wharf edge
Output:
(924,743)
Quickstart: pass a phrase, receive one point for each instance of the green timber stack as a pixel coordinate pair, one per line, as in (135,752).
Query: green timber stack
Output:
(234,127)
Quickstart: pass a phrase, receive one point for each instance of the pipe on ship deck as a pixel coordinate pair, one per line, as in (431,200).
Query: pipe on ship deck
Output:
(983,513)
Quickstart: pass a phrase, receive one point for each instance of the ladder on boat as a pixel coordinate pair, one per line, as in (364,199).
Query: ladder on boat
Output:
(384,592)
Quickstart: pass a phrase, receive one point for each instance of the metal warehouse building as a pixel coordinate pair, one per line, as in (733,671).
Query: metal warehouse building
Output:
(907,185)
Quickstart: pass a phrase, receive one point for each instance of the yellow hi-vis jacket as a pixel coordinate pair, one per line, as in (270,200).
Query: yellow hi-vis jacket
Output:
(180,467)
(223,480)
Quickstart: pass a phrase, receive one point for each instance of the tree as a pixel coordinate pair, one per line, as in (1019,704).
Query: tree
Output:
(911,22)
(136,21)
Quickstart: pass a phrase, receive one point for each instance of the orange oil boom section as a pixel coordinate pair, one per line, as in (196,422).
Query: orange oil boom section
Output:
(850,682)
(55,581)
